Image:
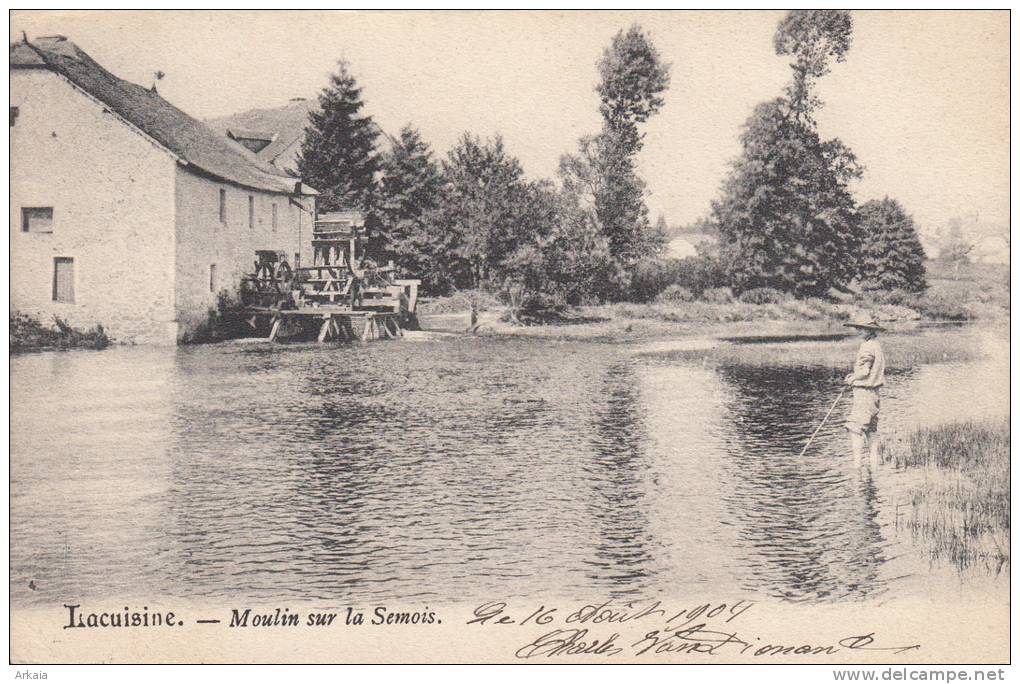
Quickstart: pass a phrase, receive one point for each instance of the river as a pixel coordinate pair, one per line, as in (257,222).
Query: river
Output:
(471,468)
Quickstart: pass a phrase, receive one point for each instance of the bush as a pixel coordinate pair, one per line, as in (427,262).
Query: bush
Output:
(762,295)
(535,309)
(718,295)
(898,297)
(933,305)
(674,294)
(224,322)
(941,308)
(459,302)
(701,273)
(649,279)
(28,334)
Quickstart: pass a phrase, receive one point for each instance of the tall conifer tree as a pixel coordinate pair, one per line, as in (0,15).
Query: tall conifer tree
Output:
(338,156)
(891,253)
(411,190)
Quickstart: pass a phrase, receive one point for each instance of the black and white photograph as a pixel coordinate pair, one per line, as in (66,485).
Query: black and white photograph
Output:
(549,337)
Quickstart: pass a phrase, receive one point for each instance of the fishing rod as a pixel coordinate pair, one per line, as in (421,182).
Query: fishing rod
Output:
(831,409)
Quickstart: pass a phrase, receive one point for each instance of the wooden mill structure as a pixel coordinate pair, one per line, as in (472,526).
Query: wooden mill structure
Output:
(346,295)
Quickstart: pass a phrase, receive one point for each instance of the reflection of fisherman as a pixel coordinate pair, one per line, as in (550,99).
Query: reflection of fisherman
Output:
(867,378)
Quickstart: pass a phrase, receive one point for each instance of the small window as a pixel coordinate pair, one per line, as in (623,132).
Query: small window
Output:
(63,280)
(223,206)
(212,277)
(37,219)
(274,216)
(14,115)
(251,211)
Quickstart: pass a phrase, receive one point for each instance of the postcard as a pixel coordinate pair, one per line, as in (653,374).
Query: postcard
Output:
(510,337)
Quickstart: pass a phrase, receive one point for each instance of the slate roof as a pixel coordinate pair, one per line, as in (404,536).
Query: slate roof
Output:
(287,125)
(194,143)
(248,134)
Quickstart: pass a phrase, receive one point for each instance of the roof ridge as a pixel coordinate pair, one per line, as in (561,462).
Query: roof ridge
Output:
(34,49)
(191,140)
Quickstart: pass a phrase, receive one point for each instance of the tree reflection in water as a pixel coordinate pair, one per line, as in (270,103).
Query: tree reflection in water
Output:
(807,525)
(622,561)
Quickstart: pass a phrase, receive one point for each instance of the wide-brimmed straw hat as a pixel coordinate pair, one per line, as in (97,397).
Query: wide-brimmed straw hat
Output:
(864,321)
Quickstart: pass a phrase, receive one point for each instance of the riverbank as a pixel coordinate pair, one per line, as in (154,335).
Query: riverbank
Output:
(963,292)
(28,334)
(976,293)
(962,507)
(623,321)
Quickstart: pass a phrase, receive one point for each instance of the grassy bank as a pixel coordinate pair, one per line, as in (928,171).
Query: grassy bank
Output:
(962,507)
(982,290)
(29,334)
(668,319)
(974,292)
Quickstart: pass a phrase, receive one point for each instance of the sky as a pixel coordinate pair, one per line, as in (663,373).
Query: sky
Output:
(922,98)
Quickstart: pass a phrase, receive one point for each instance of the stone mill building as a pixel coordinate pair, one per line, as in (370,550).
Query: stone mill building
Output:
(126,211)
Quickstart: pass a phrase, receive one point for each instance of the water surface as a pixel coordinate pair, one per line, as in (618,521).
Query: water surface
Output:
(467,468)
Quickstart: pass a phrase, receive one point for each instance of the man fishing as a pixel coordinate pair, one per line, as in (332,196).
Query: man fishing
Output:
(866,379)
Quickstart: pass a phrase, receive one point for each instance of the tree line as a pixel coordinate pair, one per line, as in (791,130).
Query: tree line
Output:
(785,216)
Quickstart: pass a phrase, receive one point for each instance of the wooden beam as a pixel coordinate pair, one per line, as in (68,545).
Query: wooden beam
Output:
(277,322)
(324,330)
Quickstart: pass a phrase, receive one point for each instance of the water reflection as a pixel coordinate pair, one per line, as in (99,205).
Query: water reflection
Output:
(458,469)
(807,524)
(622,559)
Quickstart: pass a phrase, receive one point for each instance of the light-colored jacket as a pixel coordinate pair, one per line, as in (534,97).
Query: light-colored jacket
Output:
(869,366)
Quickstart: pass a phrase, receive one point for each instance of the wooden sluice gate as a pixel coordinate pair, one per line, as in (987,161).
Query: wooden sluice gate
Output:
(344,295)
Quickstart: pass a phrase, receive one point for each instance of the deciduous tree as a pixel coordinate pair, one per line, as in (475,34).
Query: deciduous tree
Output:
(786,216)
(813,38)
(603,174)
(954,248)
(484,193)
(632,79)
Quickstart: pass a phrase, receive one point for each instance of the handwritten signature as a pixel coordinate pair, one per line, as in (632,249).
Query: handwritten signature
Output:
(690,630)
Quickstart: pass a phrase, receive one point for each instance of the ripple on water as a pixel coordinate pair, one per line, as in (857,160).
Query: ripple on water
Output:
(456,468)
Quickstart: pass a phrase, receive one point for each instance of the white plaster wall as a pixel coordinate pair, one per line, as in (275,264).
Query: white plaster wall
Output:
(112,193)
(203,240)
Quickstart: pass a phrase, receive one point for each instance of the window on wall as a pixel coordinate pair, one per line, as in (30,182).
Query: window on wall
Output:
(212,277)
(274,216)
(251,211)
(37,219)
(63,280)
(223,206)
